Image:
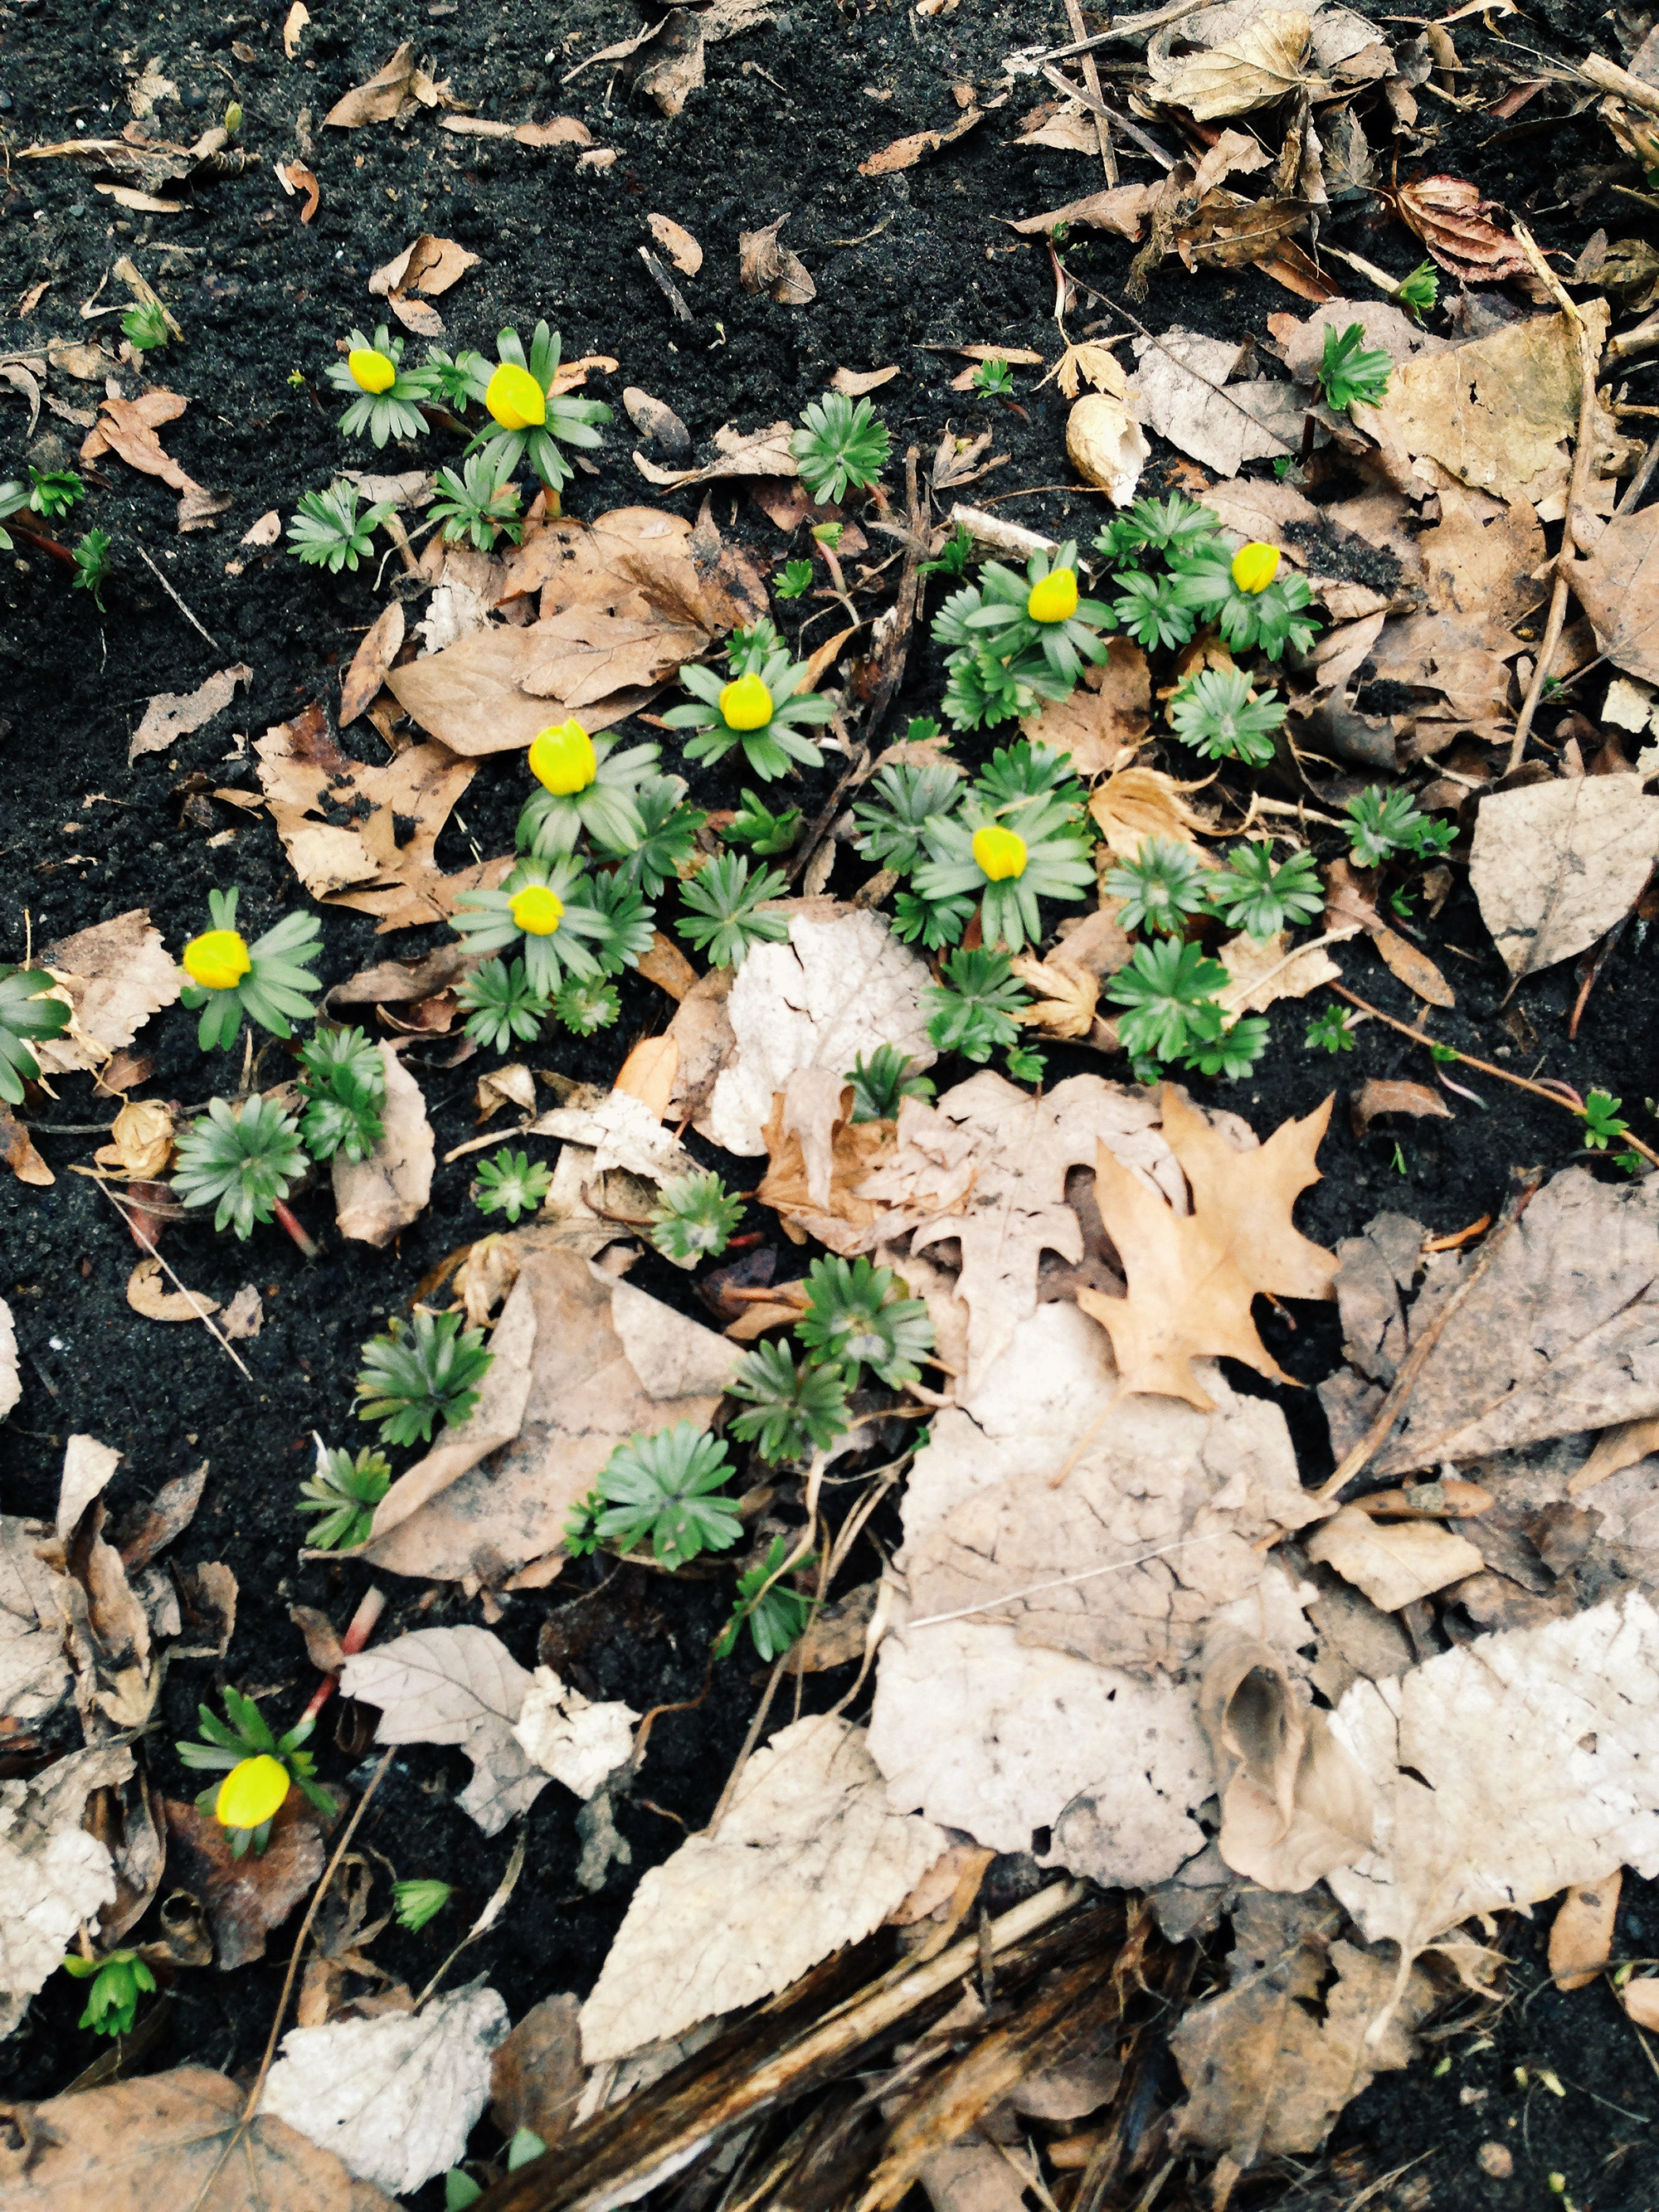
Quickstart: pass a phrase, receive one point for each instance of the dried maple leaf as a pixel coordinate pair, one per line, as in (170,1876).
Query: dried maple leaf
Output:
(1066,995)
(905,152)
(1264,59)
(1452,219)
(1105,719)
(1192,1277)
(1143,802)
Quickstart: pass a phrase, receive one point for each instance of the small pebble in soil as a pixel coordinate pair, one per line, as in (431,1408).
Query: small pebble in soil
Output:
(1493,2159)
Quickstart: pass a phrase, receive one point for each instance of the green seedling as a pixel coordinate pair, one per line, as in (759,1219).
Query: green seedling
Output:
(588,785)
(1383,823)
(269,981)
(327,532)
(695,1218)
(670,841)
(413,1377)
(1037,623)
(243,1160)
(760,706)
(881,1081)
(528,422)
(665,1487)
(560,921)
(27,1016)
(1159,887)
(479,506)
(1154,609)
(1015,839)
(793,579)
(857,1317)
(953,555)
(93,565)
(342,1079)
(905,798)
(1213,1048)
(344,1491)
(972,1010)
(774,1614)
(936,922)
(1173,528)
(460,2189)
(756,826)
(1331,1031)
(993,380)
(502,1004)
(51,494)
(1218,714)
(145,326)
(457,382)
(839,447)
(119,1980)
(1025,1064)
(1351,373)
(259,1769)
(1162,990)
(1601,1120)
(790,1410)
(1420,293)
(418,1900)
(1251,893)
(508,1184)
(586,1004)
(723,916)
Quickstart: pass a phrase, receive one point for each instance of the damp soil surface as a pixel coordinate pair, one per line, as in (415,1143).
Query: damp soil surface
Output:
(921,260)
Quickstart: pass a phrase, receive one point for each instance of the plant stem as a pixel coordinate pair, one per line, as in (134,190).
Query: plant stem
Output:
(39,539)
(285,1214)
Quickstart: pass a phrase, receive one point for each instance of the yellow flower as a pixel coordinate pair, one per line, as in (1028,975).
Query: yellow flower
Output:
(252,1793)
(371,371)
(562,758)
(1255,565)
(1000,853)
(746,704)
(536,910)
(1053,598)
(217,959)
(514,399)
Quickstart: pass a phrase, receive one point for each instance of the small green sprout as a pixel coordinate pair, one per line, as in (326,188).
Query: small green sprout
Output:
(343,1080)
(259,1769)
(1601,1120)
(1174,528)
(233,117)
(1213,1048)
(993,380)
(664,1487)
(840,446)
(723,916)
(828,533)
(26,1013)
(528,421)
(1420,293)
(385,399)
(791,1410)
(586,1004)
(459,382)
(757,826)
(1398,1162)
(1382,823)
(953,557)
(587,784)
(460,2189)
(1025,1065)
(557,920)
(411,1377)
(760,706)
(269,980)
(1162,990)
(242,1160)
(328,532)
(857,1315)
(119,1980)
(775,1614)
(694,1217)
(881,1081)
(670,838)
(52,493)
(581,1526)
(1331,1031)
(1351,373)
(93,565)
(1154,609)
(906,796)
(1251,893)
(418,1900)
(503,1005)
(793,580)
(145,326)
(1218,714)
(479,506)
(972,1010)
(1159,887)
(508,1184)
(345,1492)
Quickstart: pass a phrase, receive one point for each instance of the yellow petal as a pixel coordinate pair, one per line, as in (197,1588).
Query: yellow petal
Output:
(217,959)
(562,759)
(371,370)
(1000,853)
(1053,596)
(746,704)
(1255,565)
(514,399)
(251,1792)
(536,910)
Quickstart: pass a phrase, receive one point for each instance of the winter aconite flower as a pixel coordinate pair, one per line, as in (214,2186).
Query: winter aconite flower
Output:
(259,1769)
(1255,565)
(558,920)
(217,959)
(586,785)
(1015,839)
(514,399)
(253,1792)
(268,980)
(759,706)
(1000,854)
(1053,598)
(385,398)
(745,703)
(528,421)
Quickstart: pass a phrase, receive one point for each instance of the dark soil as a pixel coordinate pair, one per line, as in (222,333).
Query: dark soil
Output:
(786,115)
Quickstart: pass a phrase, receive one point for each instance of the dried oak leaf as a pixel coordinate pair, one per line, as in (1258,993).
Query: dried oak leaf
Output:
(1618,587)
(381,644)
(819,1157)
(171,2140)
(1105,719)
(128,428)
(376,1197)
(1455,223)
(116,974)
(1135,803)
(392,94)
(454,1686)
(1192,1277)
(1555,866)
(1181,378)
(766,452)
(1264,970)
(807,1858)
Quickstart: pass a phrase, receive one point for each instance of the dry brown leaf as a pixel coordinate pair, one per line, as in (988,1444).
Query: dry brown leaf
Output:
(1135,803)
(667,966)
(856,382)
(1378,1096)
(905,152)
(1471,565)
(1619,1447)
(1181,379)
(764,264)
(1264,970)
(1065,994)
(1581,1933)
(454,1686)
(170,2139)
(56,1876)
(648,1074)
(173,714)
(1640,1998)
(128,428)
(294,176)
(427,264)
(389,96)
(682,250)
(1105,719)
(1123,210)
(1263,60)
(116,974)
(149,1293)
(1191,1278)
(1394,1562)
(1455,223)
(766,452)
(18,1152)
(375,1198)
(245,1898)
(381,644)
(819,1158)
(1618,587)
(1555,866)
(293,24)
(1294,1804)
(536,2077)
(1107,446)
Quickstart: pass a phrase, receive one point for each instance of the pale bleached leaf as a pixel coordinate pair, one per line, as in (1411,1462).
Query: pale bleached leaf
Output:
(376,1197)
(1555,866)
(52,1875)
(577,1741)
(456,1686)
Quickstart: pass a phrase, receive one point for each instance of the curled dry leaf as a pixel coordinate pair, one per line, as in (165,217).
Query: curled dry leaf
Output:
(905,152)
(18,1152)
(856,382)
(88,1467)
(1181,379)
(1640,1998)
(1123,210)
(1264,970)
(427,264)
(656,422)
(577,1741)
(765,265)
(807,1858)
(1375,1095)
(141,1140)
(293,24)
(1135,803)
(1294,1802)
(390,96)
(682,249)
(766,452)
(1102,721)
(294,176)
(375,1198)
(11,1389)
(1394,1562)
(454,1686)
(173,714)
(1554,865)
(1263,59)
(128,428)
(150,1293)
(381,644)
(1581,1933)
(243,1899)
(54,1874)
(1457,225)
(1106,446)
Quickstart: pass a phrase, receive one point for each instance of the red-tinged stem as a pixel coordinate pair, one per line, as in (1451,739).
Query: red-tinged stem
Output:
(39,539)
(285,1214)
(362,1628)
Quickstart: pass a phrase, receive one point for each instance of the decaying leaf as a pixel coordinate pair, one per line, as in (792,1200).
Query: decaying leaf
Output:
(1554,865)
(375,1198)
(1264,970)
(537,2076)
(150,1293)
(1063,994)
(1136,803)
(128,428)
(1394,1562)
(1105,719)
(1375,1095)
(243,1899)
(1107,446)
(807,1858)
(88,1466)
(765,264)
(577,1741)
(1294,1803)
(1122,210)
(1581,1933)
(455,1685)
(856,382)
(819,1159)
(141,1140)
(173,714)
(1618,587)
(905,152)
(394,2099)
(1262,60)
(1181,379)
(11,1389)
(766,452)
(1572,1707)
(682,250)
(52,1873)
(116,973)
(1455,223)
(35,1675)
(381,644)
(393,95)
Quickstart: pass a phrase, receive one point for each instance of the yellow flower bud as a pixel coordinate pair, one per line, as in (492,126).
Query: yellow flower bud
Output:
(746,704)
(1000,853)
(252,1793)
(536,910)
(1255,565)
(1053,598)
(562,758)
(371,371)
(217,959)
(514,399)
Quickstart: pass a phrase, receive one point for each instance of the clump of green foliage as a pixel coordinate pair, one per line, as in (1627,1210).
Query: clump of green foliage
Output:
(666,1488)
(509,1184)
(1351,374)
(343,1491)
(328,531)
(972,1009)
(723,915)
(695,1218)
(858,1316)
(502,1005)
(415,1375)
(118,1980)
(93,565)
(880,1080)
(27,1016)
(774,1613)
(760,706)
(342,1078)
(1012,641)
(419,1899)
(1383,824)
(841,446)
(479,506)
(1219,715)
(791,1410)
(242,1160)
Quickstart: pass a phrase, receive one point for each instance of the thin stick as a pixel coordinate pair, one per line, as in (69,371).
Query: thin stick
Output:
(1091,78)
(1631,497)
(318,1895)
(140,1239)
(487,1919)
(177,601)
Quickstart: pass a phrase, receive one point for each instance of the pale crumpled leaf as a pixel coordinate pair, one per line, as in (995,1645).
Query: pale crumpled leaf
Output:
(394,2099)
(172,2140)
(619,1131)
(150,1293)
(1271,2063)
(820,1157)
(1263,974)
(1106,445)
(809,1857)
(571,1737)
(173,714)
(1104,719)
(768,452)
(838,987)
(88,1467)
(375,1198)
(1554,865)
(1263,60)
(11,1387)
(460,1685)
(1184,396)
(1394,1562)
(118,974)
(1618,587)
(52,1875)
(1506,1769)
(35,1675)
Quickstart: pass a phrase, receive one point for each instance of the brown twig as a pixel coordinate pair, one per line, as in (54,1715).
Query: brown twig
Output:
(1092,79)
(145,1245)
(176,600)
(41,543)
